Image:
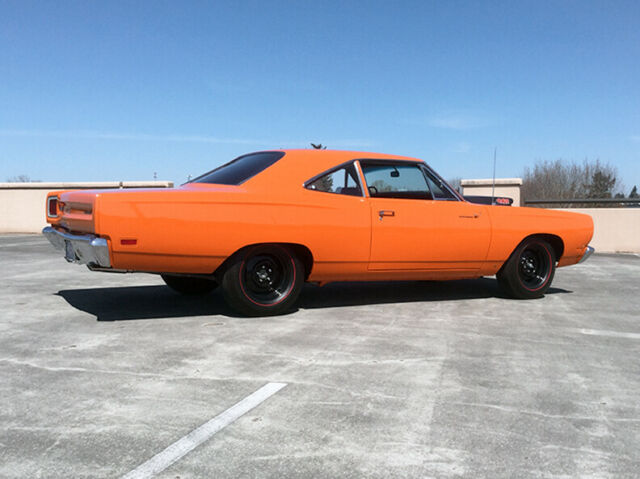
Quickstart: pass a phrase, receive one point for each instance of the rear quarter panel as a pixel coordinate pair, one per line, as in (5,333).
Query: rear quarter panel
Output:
(189,230)
(195,228)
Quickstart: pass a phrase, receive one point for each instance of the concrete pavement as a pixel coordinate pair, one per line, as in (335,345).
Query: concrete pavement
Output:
(99,372)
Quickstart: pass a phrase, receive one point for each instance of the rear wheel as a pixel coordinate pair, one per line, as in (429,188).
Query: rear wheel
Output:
(528,272)
(264,280)
(189,284)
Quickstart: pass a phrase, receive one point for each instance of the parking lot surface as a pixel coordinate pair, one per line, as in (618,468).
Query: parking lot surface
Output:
(100,372)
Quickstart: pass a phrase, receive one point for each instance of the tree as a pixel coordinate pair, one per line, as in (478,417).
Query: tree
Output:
(634,192)
(559,179)
(325,183)
(455,184)
(21,179)
(601,185)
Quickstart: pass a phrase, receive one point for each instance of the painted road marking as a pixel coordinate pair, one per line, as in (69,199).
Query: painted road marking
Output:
(186,444)
(610,334)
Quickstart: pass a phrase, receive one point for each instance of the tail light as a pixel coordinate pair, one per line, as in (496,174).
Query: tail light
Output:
(52,207)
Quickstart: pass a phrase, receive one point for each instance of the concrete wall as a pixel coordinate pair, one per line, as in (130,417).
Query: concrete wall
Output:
(22,205)
(509,187)
(616,230)
(22,209)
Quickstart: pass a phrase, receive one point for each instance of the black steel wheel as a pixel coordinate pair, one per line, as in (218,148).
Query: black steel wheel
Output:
(529,271)
(189,284)
(264,280)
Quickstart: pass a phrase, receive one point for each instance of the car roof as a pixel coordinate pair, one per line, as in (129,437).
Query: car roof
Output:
(297,166)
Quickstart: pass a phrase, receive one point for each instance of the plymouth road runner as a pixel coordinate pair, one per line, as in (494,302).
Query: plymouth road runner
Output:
(264,223)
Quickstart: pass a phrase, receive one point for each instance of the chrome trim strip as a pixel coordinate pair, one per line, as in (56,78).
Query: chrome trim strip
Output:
(82,249)
(586,255)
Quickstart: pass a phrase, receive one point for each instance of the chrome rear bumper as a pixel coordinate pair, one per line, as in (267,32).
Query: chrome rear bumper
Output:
(83,249)
(586,255)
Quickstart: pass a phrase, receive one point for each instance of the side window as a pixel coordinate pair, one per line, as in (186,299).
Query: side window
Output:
(395,181)
(343,181)
(438,189)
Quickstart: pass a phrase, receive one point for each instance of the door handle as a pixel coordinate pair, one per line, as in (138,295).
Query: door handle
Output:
(385,213)
(473,216)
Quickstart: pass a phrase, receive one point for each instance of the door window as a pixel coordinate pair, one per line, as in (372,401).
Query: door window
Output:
(395,180)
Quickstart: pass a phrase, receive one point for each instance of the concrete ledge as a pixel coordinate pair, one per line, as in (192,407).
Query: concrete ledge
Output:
(85,185)
(489,182)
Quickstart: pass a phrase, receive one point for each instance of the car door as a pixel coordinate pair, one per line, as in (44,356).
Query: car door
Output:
(417,224)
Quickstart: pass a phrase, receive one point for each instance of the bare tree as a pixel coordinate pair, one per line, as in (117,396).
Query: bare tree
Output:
(21,179)
(455,183)
(561,179)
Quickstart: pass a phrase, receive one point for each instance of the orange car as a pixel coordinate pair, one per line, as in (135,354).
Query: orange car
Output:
(264,223)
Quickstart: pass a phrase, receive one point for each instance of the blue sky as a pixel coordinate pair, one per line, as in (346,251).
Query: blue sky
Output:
(122,90)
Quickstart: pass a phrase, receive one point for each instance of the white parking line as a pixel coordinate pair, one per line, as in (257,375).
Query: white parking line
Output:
(186,444)
(610,334)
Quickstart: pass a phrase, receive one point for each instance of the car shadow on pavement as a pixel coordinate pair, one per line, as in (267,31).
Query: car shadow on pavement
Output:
(149,302)
(363,293)
(143,302)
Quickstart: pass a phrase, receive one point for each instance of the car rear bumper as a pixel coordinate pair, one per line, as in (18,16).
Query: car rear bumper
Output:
(83,249)
(586,254)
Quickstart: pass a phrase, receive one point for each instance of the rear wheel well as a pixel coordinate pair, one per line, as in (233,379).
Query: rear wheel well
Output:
(302,253)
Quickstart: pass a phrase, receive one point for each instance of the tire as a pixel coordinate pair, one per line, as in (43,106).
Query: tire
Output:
(189,284)
(264,280)
(529,271)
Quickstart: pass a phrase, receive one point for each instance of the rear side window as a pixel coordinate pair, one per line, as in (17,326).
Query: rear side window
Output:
(241,169)
(343,181)
(395,181)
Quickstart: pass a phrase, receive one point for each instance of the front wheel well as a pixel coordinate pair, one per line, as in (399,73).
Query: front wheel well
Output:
(555,241)
(302,253)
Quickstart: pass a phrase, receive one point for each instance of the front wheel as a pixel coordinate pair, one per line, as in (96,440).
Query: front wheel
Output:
(528,272)
(264,280)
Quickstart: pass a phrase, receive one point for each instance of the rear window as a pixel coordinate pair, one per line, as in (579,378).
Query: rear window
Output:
(241,169)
